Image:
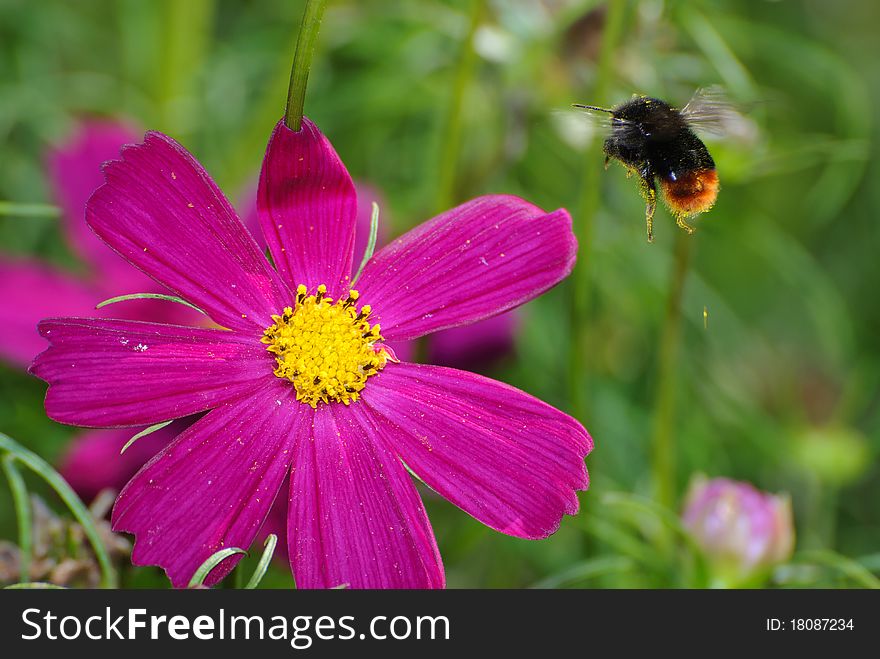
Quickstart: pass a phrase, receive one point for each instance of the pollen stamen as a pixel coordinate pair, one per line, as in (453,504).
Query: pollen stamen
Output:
(326,349)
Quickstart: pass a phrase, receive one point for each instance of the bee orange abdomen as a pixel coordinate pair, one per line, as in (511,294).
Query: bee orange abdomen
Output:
(692,193)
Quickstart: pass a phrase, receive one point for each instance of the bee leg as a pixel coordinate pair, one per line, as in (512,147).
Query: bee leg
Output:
(649,192)
(681,221)
(607,160)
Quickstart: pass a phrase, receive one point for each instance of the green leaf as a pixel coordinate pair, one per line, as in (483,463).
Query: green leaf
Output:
(43,469)
(22,513)
(371,243)
(198,579)
(263,565)
(148,296)
(144,433)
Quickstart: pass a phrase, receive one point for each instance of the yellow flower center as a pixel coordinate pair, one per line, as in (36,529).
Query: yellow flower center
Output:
(326,349)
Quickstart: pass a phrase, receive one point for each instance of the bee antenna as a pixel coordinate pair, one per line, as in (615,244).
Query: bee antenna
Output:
(591,107)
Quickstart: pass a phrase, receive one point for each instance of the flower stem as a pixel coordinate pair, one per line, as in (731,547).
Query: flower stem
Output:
(451,128)
(186,32)
(587,209)
(302,63)
(663,435)
(15,209)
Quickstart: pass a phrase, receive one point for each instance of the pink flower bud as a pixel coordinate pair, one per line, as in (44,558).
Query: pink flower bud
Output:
(742,531)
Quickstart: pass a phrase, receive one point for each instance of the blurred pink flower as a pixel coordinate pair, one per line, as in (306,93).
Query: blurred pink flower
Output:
(742,531)
(31,290)
(315,395)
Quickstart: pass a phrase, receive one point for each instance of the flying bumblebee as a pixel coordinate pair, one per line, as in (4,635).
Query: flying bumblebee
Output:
(657,141)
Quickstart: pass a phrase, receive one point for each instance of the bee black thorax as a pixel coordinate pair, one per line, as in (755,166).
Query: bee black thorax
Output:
(653,138)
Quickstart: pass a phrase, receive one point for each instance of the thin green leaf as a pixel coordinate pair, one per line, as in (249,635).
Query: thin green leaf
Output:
(263,565)
(22,514)
(870,562)
(148,296)
(651,509)
(857,572)
(371,243)
(590,569)
(14,209)
(144,433)
(43,469)
(198,579)
(33,585)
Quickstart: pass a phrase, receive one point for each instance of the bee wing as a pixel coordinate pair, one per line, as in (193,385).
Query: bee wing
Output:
(709,111)
(603,118)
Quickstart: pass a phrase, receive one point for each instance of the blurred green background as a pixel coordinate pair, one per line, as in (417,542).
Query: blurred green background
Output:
(437,101)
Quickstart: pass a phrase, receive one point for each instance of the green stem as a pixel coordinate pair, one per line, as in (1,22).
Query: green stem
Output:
(15,209)
(585,219)
(43,469)
(451,127)
(663,458)
(186,33)
(22,513)
(302,63)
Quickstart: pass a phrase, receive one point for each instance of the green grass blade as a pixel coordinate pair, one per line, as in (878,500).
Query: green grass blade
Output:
(854,571)
(589,569)
(144,433)
(45,471)
(263,565)
(371,244)
(22,514)
(148,296)
(34,585)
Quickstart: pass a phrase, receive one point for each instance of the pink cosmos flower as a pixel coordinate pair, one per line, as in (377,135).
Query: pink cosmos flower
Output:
(300,383)
(742,531)
(31,290)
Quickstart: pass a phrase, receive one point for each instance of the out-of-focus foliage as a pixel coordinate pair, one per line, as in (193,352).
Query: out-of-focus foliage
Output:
(778,384)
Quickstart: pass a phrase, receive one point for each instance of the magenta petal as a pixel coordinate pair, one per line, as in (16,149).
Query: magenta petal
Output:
(474,261)
(307,206)
(93,461)
(28,293)
(160,209)
(115,372)
(508,459)
(213,486)
(355,517)
(75,172)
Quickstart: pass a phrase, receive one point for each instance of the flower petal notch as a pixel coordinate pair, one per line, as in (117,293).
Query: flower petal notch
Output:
(162,212)
(504,457)
(106,373)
